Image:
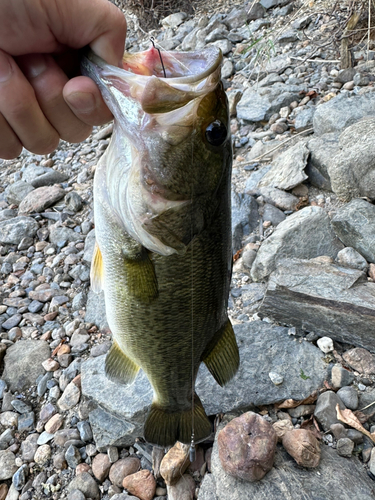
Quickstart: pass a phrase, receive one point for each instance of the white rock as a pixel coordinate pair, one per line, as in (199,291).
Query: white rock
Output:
(325,344)
(276,378)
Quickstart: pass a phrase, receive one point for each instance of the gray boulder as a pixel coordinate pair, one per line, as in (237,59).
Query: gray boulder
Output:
(352,170)
(23,363)
(354,224)
(256,108)
(12,231)
(95,309)
(305,234)
(324,298)
(342,111)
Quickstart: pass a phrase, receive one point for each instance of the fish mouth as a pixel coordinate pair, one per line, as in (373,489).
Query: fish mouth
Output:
(188,75)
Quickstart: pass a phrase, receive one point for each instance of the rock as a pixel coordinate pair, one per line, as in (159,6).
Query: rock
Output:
(304,119)
(345,75)
(72,456)
(247,447)
(54,423)
(85,431)
(12,231)
(141,484)
(351,171)
(353,224)
(251,386)
(13,494)
(303,446)
(17,191)
(48,178)
(76,495)
(325,344)
(60,235)
(73,201)
(277,197)
(345,447)
(41,198)
(371,463)
(174,20)
(122,468)
(45,438)
(351,258)
(100,466)
(175,463)
(342,111)
(64,435)
(273,214)
(288,36)
(95,310)
(325,411)
(22,363)
(7,464)
(70,397)
(281,427)
(43,454)
(245,217)
(288,480)
(12,322)
(305,234)
(340,377)
(322,150)
(26,422)
(256,108)
(3,491)
(8,418)
(288,169)
(29,447)
(349,397)
(20,476)
(324,298)
(361,360)
(184,489)
(85,483)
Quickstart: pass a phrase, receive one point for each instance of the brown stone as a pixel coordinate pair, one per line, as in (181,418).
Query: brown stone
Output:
(100,466)
(81,468)
(361,360)
(123,468)
(63,349)
(54,423)
(142,484)
(247,447)
(50,365)
(281,427)
(184,489)
(3,348)
(3,491)
(174,463)
(303,446)
(40,198)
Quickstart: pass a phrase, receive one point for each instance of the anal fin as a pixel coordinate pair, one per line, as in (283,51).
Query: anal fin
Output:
(141,279)
(221,356)
(118,367)
(97,270)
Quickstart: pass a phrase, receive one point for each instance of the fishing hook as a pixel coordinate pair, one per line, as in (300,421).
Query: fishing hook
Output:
(161,59)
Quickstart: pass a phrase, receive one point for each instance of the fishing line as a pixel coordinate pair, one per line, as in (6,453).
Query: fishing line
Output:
(152,40)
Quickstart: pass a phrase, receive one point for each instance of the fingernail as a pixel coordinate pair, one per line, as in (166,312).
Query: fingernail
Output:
(5,67)
(84,102)
(33,65)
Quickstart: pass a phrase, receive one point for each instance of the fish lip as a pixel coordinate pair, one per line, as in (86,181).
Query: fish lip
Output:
(212,55)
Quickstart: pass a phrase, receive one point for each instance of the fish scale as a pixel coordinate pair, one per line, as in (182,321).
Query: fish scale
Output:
(163,235)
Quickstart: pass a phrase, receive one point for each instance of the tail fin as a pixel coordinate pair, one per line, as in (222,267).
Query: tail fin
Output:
(164,428)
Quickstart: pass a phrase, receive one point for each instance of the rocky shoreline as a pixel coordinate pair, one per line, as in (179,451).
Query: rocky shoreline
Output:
(302,291)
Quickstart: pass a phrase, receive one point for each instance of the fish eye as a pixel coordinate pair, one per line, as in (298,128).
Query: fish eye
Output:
(216,133)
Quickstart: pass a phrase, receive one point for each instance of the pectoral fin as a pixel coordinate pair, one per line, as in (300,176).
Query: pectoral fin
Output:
(221,356)
(97,270)
(141,278)
(118,367)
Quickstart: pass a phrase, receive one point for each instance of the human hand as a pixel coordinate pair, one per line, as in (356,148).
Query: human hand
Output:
(41,98)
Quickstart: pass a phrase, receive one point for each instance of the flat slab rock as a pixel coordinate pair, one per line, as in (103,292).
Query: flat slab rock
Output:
(329,299)
(335,477)
(263,348)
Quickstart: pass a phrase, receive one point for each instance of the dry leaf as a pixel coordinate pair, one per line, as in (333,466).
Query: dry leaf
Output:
(310,425)
(348,417)
(291,403)
(363,417)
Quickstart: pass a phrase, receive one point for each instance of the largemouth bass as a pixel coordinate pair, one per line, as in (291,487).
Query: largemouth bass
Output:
(163,231)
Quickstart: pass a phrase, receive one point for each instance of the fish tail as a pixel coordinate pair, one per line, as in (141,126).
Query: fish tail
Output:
(164,428)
